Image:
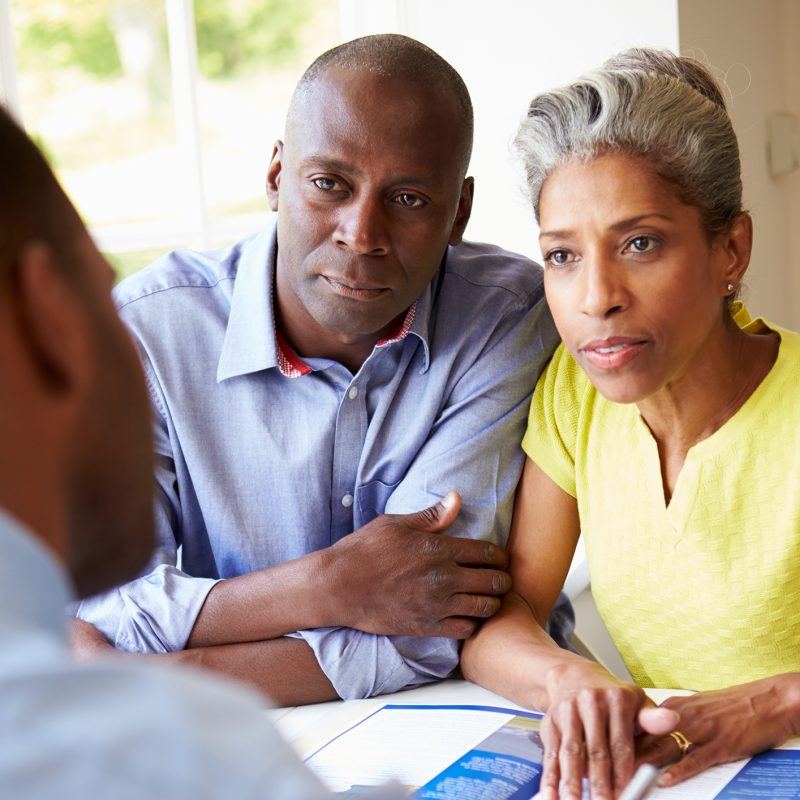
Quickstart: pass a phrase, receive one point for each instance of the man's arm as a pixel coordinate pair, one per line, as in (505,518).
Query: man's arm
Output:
(285,670)
(397,575)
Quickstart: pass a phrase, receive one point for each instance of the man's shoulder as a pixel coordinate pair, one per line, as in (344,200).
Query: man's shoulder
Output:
(185,269)
(495,271)
(201,730)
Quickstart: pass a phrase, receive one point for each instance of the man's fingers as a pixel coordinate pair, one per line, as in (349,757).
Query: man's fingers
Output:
(475,581)
(477,553)
(474,605)
(456,628)
(436,517)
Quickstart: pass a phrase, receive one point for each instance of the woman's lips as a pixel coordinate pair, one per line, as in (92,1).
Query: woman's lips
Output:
(613,352)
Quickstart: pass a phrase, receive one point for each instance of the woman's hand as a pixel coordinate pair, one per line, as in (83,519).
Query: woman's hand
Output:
(589,729)
(727,725)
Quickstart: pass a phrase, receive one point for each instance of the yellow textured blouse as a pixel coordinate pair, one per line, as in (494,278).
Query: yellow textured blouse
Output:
(704,592)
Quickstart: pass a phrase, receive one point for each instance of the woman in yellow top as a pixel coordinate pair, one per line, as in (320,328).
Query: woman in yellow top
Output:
(666,429)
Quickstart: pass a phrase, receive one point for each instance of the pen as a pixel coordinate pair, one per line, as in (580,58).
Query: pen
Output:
(641,783)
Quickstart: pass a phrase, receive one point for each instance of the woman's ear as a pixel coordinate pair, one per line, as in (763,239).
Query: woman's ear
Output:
(735,246)
(53,322)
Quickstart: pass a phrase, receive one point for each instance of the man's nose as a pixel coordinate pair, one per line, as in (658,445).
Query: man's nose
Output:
(363,226)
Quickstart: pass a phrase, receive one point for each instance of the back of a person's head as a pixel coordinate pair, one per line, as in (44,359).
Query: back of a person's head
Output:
(32,204)
(668,109)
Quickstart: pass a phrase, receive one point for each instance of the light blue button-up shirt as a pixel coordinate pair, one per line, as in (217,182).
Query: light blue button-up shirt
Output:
(257,468)
(120,729)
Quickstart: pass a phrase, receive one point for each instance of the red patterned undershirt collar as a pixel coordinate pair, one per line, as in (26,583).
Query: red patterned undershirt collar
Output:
(292,366)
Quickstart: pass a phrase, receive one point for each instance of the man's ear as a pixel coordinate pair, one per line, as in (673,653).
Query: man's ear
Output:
(52,318)
(735,246)
(464,211)
(274,175)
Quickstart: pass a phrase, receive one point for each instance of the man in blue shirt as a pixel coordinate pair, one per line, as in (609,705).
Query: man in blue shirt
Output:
(317,385)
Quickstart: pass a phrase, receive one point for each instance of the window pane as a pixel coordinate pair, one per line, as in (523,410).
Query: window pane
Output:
(94,83)
(250,55)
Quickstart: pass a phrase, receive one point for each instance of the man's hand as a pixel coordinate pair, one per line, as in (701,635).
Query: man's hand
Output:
(86,642)
(399,575)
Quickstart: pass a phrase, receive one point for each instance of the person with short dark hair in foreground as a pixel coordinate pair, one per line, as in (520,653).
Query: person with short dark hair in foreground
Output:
(76,496)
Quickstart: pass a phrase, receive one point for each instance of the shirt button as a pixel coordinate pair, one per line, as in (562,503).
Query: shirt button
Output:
(347,500)
(353,393)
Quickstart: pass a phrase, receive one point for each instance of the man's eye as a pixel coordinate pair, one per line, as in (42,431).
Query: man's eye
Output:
(326,184)
(408,200)
(642,244)
(559,258)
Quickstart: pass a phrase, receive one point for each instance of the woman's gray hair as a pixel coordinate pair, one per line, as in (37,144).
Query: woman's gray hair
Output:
(666,108)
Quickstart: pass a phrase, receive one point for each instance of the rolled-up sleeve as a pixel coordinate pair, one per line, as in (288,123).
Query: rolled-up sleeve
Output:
(362,664)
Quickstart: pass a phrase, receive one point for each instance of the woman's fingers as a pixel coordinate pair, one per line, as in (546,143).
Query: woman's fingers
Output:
(590,733)
(551,775)
(598,756)
(572,752)
(621,726)
(657,720)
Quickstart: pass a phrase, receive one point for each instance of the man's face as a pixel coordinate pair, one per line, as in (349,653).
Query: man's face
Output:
(370,190)
(111,462)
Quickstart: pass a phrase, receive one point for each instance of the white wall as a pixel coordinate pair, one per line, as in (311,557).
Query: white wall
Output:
(791,53)
(756,45)
(507,51)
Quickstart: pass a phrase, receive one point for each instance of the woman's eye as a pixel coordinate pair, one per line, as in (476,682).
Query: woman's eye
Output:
(559,258)
(642,244)
(326,184)
(408,200)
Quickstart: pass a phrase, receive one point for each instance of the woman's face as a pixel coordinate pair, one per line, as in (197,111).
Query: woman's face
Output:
(634,283)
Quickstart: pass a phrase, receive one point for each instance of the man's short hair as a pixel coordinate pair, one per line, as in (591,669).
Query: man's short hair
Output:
(402,58)
(32,204)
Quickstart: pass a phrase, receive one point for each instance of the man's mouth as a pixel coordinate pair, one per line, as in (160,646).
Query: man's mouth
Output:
(354,290)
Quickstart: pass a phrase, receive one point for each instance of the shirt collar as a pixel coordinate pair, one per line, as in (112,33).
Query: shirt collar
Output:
(34,588)
(250,343)
(253,343)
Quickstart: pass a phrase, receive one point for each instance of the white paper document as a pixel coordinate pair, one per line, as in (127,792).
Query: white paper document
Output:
(465,752)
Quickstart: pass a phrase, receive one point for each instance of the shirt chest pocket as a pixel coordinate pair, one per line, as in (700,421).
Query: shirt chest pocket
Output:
(371,499)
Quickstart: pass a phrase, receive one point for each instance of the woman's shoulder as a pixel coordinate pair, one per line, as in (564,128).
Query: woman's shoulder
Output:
(789,352)
(559,397)
(563,380)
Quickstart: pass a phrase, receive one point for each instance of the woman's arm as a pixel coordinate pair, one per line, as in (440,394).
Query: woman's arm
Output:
(592,716)
(544,534)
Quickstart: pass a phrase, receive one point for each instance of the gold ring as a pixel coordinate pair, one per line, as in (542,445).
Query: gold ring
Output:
(685,745)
